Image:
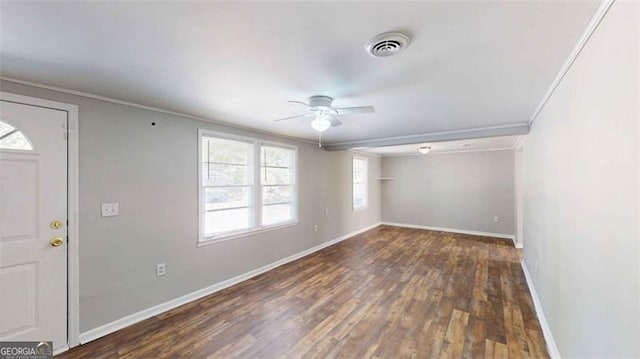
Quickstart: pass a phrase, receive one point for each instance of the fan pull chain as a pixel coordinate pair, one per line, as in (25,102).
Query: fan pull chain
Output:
(319,139)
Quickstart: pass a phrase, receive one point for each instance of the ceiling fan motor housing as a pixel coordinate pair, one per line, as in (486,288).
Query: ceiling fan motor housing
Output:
(320,101)
(321,105)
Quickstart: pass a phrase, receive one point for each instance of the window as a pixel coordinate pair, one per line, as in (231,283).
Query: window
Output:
(13,139)
(278,184)
(360,198)
(245,185)
(226,185)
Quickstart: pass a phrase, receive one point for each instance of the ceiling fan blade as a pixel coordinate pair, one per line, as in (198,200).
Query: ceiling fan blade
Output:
(292,117)
(358,109)
(334,121)
(301,103)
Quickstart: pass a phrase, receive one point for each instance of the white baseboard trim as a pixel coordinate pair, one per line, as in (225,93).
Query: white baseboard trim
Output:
(546,331)
(61,349)
(124,322)
(452,230)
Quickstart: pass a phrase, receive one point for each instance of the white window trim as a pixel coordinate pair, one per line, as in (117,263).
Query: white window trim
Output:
(366,182)
(255,214)
(294,182)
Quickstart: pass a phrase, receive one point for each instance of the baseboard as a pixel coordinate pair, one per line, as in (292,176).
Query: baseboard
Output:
(546,331)
(453,230)
(61,349)
(124,322)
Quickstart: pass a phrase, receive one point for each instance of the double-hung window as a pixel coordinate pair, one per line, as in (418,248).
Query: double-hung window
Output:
(278,184)
(360,191)
(244,185)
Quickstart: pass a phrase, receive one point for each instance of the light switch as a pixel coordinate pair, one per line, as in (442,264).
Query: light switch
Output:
(109,209)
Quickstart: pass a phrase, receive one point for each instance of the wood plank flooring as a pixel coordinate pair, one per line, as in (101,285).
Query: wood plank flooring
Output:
(387,293)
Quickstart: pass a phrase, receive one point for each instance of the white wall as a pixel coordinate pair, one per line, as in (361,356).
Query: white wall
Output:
(151,171)
(581,213)
(461,191)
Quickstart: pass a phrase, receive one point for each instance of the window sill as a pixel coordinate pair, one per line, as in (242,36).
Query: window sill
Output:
(206,242)
(360,209)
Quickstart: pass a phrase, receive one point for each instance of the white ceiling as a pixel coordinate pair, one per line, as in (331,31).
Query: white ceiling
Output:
(479,144)
(470,64)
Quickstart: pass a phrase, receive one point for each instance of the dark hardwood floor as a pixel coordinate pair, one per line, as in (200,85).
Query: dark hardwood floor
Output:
(388,293)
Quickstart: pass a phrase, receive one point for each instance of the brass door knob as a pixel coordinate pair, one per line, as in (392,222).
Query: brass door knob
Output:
(56,241)
(56,224)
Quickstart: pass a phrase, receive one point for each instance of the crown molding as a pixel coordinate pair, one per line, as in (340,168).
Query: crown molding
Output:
(482,132)
(582,41)
(432,153)
(154,109)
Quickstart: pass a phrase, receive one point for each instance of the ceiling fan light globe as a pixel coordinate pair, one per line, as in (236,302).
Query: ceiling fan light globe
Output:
(321,123)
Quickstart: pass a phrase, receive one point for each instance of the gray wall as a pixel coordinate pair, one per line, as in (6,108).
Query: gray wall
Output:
(581,236)
(461,191)
(152,173)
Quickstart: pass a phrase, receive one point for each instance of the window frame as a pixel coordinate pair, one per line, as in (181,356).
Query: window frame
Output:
(294,183)
(353,183)
(255,188)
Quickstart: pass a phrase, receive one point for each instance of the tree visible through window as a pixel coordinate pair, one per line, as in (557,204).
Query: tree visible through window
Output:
(13,139)
(360,199)
(227,185)
(245,185)
(278,184)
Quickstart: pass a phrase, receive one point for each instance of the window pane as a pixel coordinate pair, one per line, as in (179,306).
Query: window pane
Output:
(359,171)
(277,213)
(359,200)
(276,194)
(226,197)
(223,175)
(359,183)
(359,188)
(226,221)
(15,141)
(5,128)
(359,195)
(276,156)
(270,175)
(225,151)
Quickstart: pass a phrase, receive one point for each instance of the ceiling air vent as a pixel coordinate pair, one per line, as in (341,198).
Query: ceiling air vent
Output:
(387,44)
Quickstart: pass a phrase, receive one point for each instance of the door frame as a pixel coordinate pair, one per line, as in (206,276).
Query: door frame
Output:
(73,285)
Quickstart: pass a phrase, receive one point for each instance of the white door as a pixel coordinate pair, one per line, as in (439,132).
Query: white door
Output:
(33,224)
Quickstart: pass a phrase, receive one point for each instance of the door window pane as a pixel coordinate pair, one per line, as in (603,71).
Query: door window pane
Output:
(12,139)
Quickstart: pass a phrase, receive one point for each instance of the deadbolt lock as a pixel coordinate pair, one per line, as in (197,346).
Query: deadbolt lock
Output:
(56,241)
(56,224)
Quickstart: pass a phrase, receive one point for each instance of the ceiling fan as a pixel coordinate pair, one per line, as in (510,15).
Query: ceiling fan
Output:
(324,115)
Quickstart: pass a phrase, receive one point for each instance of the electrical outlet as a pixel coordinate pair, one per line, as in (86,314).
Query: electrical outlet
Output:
(315,228)
(496,219)
(109,209)
(160,269)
